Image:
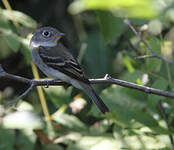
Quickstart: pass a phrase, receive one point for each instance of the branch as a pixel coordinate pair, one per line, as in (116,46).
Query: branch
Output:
(165,117)
(138,34)
(107,79)
(145,56)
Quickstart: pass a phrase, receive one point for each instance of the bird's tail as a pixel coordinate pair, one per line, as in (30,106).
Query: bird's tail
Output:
(94,97)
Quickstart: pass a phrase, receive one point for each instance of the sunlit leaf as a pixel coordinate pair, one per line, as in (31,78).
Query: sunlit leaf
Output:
(124,8)
(95,143)
(128,64)
(22,120)
(155,27)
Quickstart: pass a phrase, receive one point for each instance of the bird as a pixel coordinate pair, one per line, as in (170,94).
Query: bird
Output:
(56,61)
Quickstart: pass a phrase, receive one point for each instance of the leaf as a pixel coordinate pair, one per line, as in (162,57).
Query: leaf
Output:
(123,8)
(26,49)
(99,54)
(22,120)
(5,50)
(7,139)
(4,23)
(129,107)
(12,41)
(120,101)
(111,27)
(161,84)
(59,95)
(155,27)
(144,118)
(26,139)
(154,64)
(141,138)
(19,17)
(69,121)
(95,143)
(155,45)
(128,64)
(51,146)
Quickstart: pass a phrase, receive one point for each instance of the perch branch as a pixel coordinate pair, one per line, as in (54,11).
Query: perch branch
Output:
(106,80)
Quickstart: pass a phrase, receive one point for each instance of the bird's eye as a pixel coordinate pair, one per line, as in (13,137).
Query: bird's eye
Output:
(46,33)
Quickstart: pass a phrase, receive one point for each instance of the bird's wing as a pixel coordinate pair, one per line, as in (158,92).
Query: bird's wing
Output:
(65,63)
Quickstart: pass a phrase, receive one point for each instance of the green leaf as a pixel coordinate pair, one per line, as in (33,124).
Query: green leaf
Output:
(154,64)
(111,27)
(4,22)
(99,54)
(59,95)
(51,146)
(144,118)
(5,50)
(155,45)
(19,17)
(69,121)
(120,99)
(124,8)
(7,139)
(26,49)
(128,64)
(26,139)
(12,41)
(161,84)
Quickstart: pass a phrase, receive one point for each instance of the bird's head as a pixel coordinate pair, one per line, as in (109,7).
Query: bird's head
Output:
(45,36)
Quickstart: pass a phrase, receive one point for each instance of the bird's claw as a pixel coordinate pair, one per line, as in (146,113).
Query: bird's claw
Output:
(107,77)
(47,85)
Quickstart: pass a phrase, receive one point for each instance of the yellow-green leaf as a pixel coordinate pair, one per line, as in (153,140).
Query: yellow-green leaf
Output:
(123,8)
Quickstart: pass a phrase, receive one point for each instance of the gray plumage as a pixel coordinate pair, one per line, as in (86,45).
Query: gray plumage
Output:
(56,61)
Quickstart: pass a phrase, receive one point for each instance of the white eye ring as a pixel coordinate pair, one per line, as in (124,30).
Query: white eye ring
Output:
(46,33)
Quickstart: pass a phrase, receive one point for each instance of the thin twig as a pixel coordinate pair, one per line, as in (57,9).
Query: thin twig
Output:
(32,85)
(107,79)
(145,56)
(138,34)
(165,117)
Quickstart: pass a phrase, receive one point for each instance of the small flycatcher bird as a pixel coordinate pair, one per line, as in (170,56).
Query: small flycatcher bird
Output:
(56,62)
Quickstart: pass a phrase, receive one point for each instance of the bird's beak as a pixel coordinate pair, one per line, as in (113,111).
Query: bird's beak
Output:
(59,35)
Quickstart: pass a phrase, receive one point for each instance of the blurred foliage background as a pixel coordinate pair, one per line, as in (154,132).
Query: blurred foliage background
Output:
(97,35)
